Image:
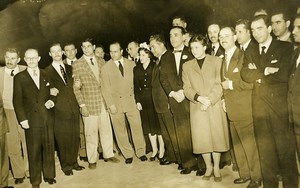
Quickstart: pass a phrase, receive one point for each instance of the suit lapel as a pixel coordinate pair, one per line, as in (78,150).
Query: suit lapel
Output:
(233,63)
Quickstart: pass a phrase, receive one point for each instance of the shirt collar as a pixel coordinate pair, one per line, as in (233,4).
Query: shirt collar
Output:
(267,43)
(216,45)
(285,37)
(30,70)
(181,47)
(245,46)
(88,59)
(230,53)
(8,71)
(69,61)
(120,60)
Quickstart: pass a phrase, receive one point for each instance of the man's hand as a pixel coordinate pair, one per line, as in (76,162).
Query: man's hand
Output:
(226,84)
(139,106)
(252,66)
(177,95)
(25,124)
(54,91)
(84,111)
(49,104)
(270,70)
(204,100)
(113,109)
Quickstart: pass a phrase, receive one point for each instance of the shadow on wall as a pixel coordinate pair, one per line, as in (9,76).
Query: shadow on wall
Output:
(26,24)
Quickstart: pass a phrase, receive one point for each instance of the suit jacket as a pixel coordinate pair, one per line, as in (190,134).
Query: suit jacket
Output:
(89,93)
(238,101)
(294,93)
(273,88)
(171,81)
(220,52)
(160,99)
(66,104)
(118,90)
(2,71)
(3,123)
(29,101)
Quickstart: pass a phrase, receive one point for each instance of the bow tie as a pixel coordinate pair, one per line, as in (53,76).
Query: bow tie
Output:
(177,51)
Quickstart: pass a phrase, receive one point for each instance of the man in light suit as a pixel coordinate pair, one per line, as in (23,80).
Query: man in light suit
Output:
(237,95)
(268,66)
(171,81)
(33,102)
(118,93)
(294,86)
(16,135)
(66,112)
(88,91)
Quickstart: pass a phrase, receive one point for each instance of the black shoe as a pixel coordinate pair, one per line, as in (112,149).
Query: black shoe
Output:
(78,168)
(180,167)
(112,160)
(35,186)
(129,160)
(8,187)
(101,156)
(241,180)
(68,172)
(200,172)
(92,166)
(164,161)
(50,180)
(254,184)
(186,171)
(85,159)
(143,158)
(153,158)
(19,180)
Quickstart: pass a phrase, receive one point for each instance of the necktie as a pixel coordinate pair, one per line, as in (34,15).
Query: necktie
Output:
(121,68)
(71,62)
(63,72)
(242,48)
(263,52)
(34,73)
(213,50)
(177,51)
(92,61)
(12,73)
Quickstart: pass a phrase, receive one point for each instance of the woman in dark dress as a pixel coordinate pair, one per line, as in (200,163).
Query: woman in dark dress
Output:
(143,97)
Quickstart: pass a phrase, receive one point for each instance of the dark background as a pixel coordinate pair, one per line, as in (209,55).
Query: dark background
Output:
(39,23)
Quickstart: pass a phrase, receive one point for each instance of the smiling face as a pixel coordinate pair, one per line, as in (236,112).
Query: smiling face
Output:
(176,37)
(260,30)
(213,33)
(227,38)
(197,49)
(88,48)
(144,57)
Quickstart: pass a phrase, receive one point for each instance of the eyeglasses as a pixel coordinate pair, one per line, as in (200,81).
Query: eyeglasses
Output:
(225,36)
(31,58)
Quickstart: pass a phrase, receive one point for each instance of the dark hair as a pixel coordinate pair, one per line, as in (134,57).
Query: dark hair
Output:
(118,43)
(158,38)
(13,50)
(55,44)
(199,38)
(297,16)
(99,46)
(265,18)
(230,28)
(181,17)
(151,56)
(284,13)
(90,40)
(69,44)
(244,22)
(183,31)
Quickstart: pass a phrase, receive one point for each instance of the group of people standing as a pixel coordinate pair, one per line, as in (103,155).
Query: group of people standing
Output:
(231,96)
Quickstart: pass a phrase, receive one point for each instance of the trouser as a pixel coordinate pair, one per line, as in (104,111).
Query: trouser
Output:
(4,163)
(17,151)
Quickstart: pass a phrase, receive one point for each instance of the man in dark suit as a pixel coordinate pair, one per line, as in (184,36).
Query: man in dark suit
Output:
(238,105)
(33,100)
(268,67)
(294,86)
(66,112)
(171,81)
(213,36)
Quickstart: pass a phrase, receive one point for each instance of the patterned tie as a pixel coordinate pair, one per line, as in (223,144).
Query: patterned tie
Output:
(63,73)
(121,68)
(34,73)
(242,48)
(12,73)
(92,61)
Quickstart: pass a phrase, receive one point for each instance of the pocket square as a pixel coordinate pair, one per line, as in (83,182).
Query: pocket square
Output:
(48,84)
(274,61)
(236,69)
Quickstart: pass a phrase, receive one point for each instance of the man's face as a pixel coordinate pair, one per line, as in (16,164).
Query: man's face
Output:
(156,48)
(99,52)
(56,53)
(115,52)
(11,59)
(133,49)
(88,48)
(279,25)
(227,38)
(32,58)
(213,33)
(260,31)
(296,30)
(198,50)
(176,37)
(70,51)
(243,35)
(178,22)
